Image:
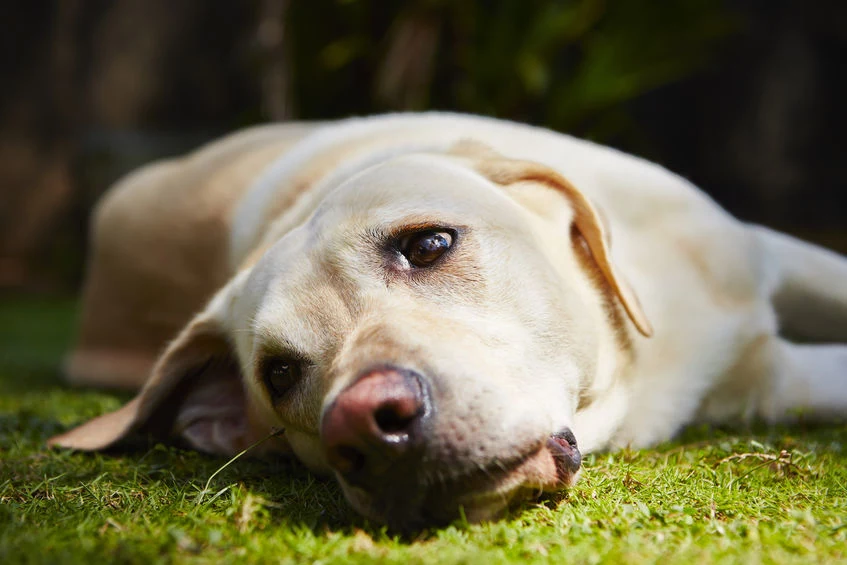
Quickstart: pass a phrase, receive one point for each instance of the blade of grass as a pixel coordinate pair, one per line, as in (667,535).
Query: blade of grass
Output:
(236,457)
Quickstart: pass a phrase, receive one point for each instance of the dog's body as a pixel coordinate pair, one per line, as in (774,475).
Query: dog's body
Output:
(560,258)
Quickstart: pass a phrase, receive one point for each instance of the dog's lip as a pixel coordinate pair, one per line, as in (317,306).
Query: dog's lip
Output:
(551,464)
(547,466)
(483,492)
(566,457)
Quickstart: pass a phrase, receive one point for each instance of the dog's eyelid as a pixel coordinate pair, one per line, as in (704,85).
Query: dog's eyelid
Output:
(282,356)
(394,233)
(277,350)
(271,346)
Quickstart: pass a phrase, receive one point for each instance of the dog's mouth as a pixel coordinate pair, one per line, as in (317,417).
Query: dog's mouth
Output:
(549,466)
(432,498)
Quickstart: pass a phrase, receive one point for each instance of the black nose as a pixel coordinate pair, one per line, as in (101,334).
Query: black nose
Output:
(375,424)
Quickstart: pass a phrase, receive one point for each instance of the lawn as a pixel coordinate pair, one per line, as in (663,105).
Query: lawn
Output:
(739,495)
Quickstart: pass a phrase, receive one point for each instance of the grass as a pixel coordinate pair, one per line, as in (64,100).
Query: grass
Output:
(753,496)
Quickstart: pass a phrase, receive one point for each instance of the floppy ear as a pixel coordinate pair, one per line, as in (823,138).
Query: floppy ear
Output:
(195,392)
(587,221)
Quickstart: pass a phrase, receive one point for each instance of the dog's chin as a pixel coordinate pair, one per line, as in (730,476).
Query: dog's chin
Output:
(486,494)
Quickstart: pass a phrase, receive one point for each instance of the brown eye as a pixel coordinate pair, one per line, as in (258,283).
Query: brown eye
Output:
(280,376)
(424,248)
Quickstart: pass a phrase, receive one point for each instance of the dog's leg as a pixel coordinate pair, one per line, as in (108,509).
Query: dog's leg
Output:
(806,379)
(139,288)
(808,286)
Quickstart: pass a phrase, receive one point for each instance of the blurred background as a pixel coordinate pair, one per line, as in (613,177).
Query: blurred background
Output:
(745,98)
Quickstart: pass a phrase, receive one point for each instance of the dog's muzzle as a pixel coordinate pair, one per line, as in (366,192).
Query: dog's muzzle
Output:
(375,436)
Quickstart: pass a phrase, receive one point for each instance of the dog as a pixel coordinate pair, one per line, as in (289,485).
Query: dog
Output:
(442,310)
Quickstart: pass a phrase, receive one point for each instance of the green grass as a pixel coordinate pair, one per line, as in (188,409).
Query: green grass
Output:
(700,499)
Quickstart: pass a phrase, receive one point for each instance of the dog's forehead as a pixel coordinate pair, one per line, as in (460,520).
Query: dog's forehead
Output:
(328,264)
(423,184)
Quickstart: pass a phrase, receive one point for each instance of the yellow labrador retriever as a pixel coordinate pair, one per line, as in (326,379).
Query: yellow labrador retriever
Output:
(436,308)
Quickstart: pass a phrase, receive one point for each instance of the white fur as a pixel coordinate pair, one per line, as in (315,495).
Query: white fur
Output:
(516,331)
(650,212)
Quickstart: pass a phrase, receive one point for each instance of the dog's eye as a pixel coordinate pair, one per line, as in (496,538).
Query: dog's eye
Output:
(280,376)
(422,249)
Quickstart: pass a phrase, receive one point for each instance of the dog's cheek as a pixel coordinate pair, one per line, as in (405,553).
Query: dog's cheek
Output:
(307,448)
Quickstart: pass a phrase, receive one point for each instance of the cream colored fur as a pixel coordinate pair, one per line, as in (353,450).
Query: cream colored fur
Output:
(588,289)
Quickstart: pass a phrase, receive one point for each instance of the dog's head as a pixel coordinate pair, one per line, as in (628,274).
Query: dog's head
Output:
(426,335)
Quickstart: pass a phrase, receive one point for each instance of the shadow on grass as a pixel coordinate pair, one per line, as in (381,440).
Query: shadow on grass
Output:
(295,498)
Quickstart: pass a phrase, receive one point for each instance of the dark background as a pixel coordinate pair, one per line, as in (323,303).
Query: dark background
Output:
(745,98)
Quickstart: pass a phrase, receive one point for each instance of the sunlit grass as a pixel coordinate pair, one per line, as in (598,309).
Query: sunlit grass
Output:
(763,495)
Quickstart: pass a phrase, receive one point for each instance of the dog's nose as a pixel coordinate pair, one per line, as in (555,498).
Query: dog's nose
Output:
(374,423)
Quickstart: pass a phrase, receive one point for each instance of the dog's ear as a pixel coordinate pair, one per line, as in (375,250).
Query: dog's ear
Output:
(195,392)
(587,221)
